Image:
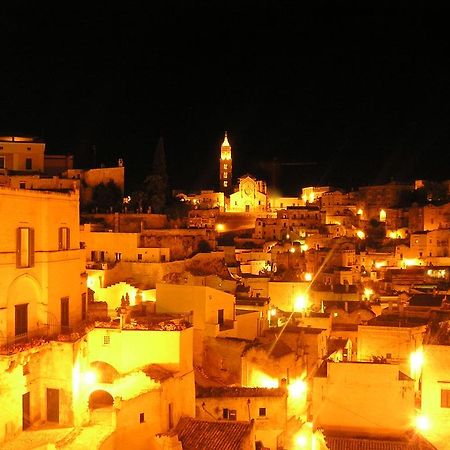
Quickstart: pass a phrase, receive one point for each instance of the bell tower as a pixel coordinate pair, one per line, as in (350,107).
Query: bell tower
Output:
(226,166)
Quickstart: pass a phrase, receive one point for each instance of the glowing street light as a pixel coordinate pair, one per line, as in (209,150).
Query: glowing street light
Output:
(301,302)
(416,361)
(368,293)
(308,276)
(220,227)
(423,423)
(298,388)
(90,377)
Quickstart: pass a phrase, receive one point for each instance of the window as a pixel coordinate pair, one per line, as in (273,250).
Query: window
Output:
(445,398)
(225,174)
(28,164)
(225,166)
(21,320)
(388,355)
(25,247)
(2,162)
(26,369)
(64,238)
(106,339)
(22,185)
(141,418)
(139,256)
(262,412)
(64,312)
(225,183)
(29,148)
(229,414)
(118,256)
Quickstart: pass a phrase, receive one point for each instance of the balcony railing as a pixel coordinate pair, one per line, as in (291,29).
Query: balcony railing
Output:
(39,336)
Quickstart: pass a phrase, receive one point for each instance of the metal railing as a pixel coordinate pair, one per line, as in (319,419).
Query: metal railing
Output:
(39,336)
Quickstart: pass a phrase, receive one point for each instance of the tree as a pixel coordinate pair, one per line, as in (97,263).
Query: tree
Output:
(107,196)
(139,201)
(156,184)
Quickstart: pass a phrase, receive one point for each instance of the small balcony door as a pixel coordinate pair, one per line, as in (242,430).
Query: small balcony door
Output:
(21,320)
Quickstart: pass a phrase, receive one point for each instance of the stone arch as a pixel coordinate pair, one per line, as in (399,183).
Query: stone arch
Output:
(106,373)
(25,289)
(100,399)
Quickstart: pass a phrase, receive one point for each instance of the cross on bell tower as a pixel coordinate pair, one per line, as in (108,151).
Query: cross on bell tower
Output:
(226,166)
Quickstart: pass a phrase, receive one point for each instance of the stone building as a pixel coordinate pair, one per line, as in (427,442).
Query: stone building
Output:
(251,196)
(21,154)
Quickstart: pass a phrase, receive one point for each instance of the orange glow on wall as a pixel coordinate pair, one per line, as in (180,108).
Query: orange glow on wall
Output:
(261,379)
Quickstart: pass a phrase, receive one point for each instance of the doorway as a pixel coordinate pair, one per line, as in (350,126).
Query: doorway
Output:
(53,405)
(26,418)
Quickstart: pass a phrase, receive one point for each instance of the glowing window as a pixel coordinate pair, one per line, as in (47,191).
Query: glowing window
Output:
(225,174)
(225,166)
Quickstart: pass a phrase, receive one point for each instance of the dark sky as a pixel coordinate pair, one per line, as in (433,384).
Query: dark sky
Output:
(362,93)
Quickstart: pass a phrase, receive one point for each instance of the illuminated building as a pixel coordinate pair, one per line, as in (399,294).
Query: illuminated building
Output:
(42,305)
(111,247)
(267,406)
(429,217)
(251,196)
(213,312)
(363,398)
(375,198)
(312,194)
(436,391)
(24,154)
(226,167)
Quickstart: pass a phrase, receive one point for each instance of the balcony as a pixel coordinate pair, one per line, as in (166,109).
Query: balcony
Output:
(154,322)
(40,336)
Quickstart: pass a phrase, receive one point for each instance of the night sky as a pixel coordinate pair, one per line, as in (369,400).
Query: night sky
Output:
(364,93)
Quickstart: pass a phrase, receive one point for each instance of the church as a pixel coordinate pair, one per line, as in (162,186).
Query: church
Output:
(250,194)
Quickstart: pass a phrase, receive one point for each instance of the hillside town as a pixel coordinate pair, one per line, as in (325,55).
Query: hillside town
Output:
(245,320)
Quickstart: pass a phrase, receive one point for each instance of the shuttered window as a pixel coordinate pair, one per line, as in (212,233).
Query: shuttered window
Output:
(25,247)
(64,238)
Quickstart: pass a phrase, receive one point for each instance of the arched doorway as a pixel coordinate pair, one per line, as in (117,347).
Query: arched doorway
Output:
(100,399)
(101,407)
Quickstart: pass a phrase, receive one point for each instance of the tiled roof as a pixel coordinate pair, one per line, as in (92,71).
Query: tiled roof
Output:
(211,435)
(229,391)
(414,442)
